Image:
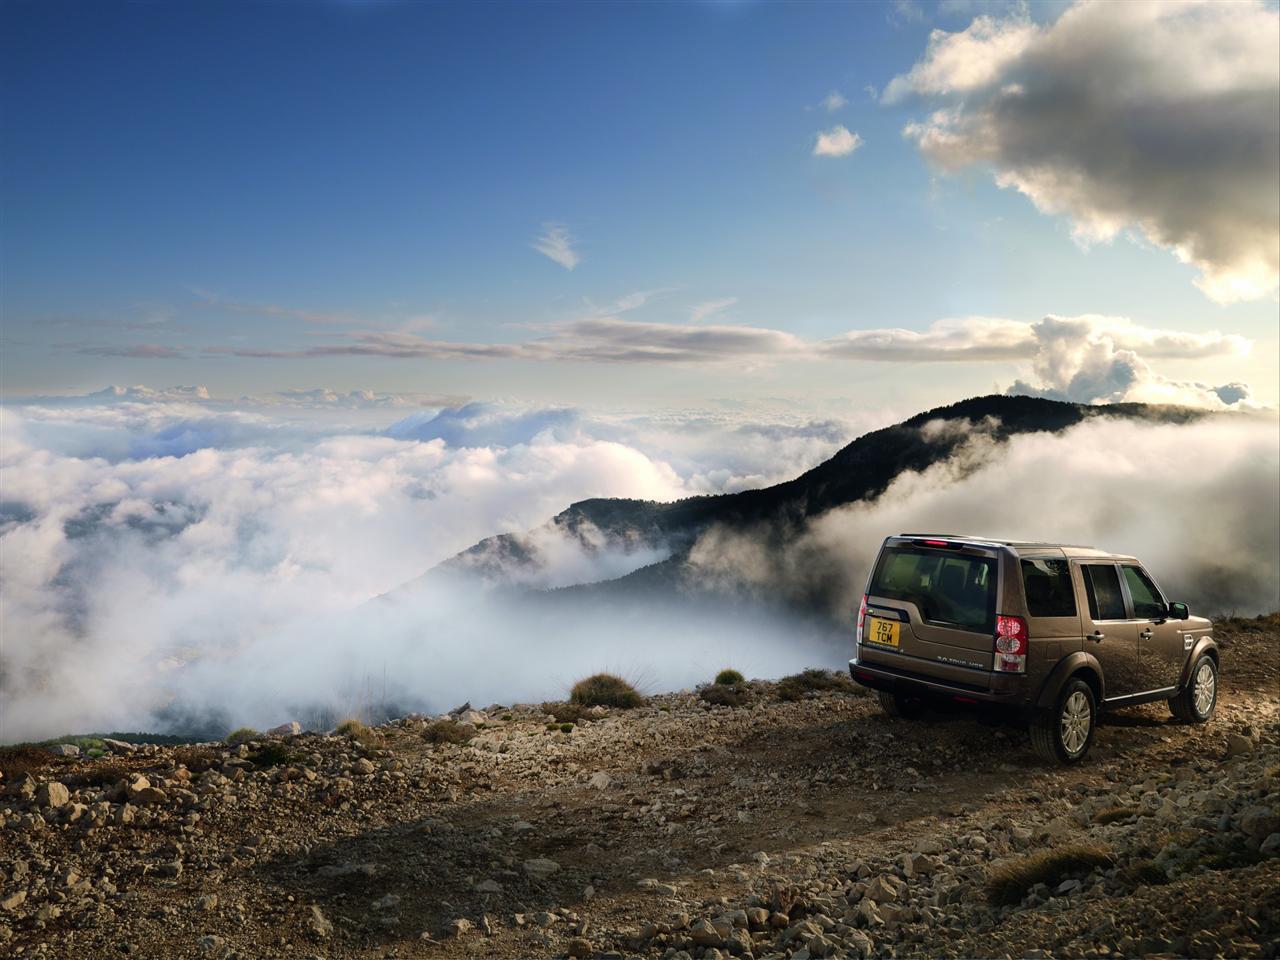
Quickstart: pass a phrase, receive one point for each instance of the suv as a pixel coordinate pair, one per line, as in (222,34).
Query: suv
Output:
(1053,631)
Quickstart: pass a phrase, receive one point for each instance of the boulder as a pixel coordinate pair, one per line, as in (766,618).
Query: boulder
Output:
(52,794)
(65,750)
(290,729)
(318,925)
(540,868)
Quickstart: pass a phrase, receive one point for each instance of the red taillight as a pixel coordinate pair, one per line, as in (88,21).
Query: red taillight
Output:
(937,543)
(1011,644)
(862,616)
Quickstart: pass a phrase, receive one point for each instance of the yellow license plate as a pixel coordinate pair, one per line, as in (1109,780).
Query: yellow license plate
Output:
(883,632)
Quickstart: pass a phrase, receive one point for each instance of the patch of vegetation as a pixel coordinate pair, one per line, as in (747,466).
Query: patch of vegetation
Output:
(812,680)
(447,731)
(357,730)
(15,761)
(1112,814)
(729,678)
(566,728)
(195,759)
(273,755)
(1143,873)
(564,712)
(242,735)
(725,694)
(1010,881)
(506,718)
(605,690)
(102,775)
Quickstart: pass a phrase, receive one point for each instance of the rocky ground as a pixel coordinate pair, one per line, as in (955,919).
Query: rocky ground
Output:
(813,827)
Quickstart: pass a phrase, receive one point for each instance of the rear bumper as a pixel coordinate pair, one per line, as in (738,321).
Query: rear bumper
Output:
(1010,689)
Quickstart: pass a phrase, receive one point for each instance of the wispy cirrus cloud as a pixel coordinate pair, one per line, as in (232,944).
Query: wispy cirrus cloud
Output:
(556,244)
(834,102)
(136,351)
(1087,358)
(710,308)
(270,309)
(839,141)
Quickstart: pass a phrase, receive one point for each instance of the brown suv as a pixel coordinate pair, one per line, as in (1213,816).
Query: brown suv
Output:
(1056,632)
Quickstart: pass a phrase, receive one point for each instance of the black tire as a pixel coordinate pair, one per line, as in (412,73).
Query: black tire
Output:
(1056,734)
(1198,700)
(896,705)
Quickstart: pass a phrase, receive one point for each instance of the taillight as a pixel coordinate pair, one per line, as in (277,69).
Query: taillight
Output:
(1011,644)
(862,617)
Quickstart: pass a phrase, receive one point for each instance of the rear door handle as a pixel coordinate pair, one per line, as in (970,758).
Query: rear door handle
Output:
(1145,634)
(1097,635)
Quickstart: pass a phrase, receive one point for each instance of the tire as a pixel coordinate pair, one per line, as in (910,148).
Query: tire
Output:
(1196,703)
(1064,734)
(896,705)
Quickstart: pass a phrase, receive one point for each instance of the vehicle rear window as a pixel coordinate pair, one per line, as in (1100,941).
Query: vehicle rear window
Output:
(949,589)
(1048,587)
(1102,584)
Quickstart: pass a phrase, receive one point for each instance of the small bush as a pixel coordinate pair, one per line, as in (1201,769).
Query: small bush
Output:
(195,759)
(797,685)
(729,678)
(724,694)
(564,712)
(1112,814)
(242,735)
(606,690)
(1009,882)
(273,755)
(566,728)
(358,731)
(1143,873)
(15,761)
(447,731)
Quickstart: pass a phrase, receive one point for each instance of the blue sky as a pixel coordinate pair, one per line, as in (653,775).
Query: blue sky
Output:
(182,182)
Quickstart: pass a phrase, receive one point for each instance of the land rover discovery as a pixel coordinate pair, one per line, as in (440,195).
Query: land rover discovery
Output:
(1054,632)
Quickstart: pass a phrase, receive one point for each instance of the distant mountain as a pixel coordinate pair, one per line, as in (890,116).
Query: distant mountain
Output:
(860,471)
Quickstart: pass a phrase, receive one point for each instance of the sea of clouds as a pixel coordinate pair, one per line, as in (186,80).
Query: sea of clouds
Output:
(170,561)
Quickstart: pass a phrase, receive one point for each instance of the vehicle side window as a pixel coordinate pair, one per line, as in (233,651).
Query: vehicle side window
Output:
(1048,587)
(1147,604)
(1102,584)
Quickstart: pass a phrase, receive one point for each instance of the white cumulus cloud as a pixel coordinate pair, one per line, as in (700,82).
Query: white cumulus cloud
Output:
(836,142)
(1161,118)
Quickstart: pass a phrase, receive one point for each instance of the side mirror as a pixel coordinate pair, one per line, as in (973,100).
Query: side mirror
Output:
(1178,611)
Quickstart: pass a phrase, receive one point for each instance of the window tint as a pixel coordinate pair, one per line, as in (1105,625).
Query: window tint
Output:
(950,589)
(1147,604)
(1102,584)
(1048,588)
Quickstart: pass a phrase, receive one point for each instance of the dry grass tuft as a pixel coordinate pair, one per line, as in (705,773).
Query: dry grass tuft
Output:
(242,735)
(565,712)
(447,731)
(1009,882)
(812,680)
(358,731)
(606,690)
(1112,814)
(15,761)
(1143,873)
(725,694)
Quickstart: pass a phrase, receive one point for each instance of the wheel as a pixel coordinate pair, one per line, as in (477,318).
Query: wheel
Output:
(1196,703)
(896,705)
(1065,733)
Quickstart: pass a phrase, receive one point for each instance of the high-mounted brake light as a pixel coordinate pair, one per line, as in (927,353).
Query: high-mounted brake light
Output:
(862,618)
(1011,644)
(937,543)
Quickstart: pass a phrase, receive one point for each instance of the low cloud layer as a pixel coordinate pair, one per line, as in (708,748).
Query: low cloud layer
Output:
(1195,502)
(1163,118)
(165,550)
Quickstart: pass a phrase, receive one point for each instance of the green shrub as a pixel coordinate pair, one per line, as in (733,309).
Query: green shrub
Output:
(606,690)
(1009,882)
(724,694)
(797,685)
(273,755)
(242,735)
(728,678)
(447,731)
(566,728)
